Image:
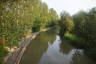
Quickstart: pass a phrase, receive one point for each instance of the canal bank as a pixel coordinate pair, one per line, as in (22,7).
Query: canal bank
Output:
(15,56)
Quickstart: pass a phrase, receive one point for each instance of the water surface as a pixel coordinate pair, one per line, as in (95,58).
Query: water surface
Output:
(48,48)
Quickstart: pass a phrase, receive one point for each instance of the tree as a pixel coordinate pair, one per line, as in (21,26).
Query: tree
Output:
(53,17)
(85,23)
(66,23)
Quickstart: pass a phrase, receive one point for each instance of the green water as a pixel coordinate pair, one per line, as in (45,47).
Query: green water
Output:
(48,48)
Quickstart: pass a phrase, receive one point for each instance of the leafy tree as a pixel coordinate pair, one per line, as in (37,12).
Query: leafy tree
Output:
(19,17)
(85,23)
(66,23)
(53,17)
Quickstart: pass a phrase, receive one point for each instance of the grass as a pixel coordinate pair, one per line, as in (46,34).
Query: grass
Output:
(74,40)
(71,36)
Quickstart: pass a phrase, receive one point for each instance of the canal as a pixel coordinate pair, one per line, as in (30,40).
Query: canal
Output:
(48,48)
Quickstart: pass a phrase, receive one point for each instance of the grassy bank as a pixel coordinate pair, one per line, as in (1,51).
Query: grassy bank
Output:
(89,50)
(74,40)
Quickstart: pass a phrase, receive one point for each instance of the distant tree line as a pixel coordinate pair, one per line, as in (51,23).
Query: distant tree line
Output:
(85,27)
(82,25)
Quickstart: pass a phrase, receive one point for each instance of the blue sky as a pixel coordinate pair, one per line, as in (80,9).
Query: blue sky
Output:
(71,6)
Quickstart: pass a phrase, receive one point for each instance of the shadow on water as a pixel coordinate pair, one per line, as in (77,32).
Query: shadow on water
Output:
(48,48)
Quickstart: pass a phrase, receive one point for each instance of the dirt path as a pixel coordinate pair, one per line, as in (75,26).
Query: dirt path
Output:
(15,57)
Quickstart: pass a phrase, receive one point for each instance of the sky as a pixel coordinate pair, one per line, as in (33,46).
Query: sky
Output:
(71,6)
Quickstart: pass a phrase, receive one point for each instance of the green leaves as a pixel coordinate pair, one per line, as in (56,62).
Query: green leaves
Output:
(66,23)
(85,27)
(20,17)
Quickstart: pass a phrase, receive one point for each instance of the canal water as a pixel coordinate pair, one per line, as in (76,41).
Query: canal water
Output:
(48,48)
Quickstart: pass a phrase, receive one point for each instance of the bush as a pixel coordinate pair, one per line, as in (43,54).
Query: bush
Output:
(3,53)
(35,29)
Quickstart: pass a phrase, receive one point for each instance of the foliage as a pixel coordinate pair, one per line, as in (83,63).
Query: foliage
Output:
(53,17)
(66,23)
(2,53)
(85,23)
(83,26)
(20,17)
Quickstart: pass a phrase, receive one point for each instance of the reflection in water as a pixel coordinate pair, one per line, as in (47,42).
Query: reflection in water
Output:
(65,47)
(48,48)
(54,56)
(62,53)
